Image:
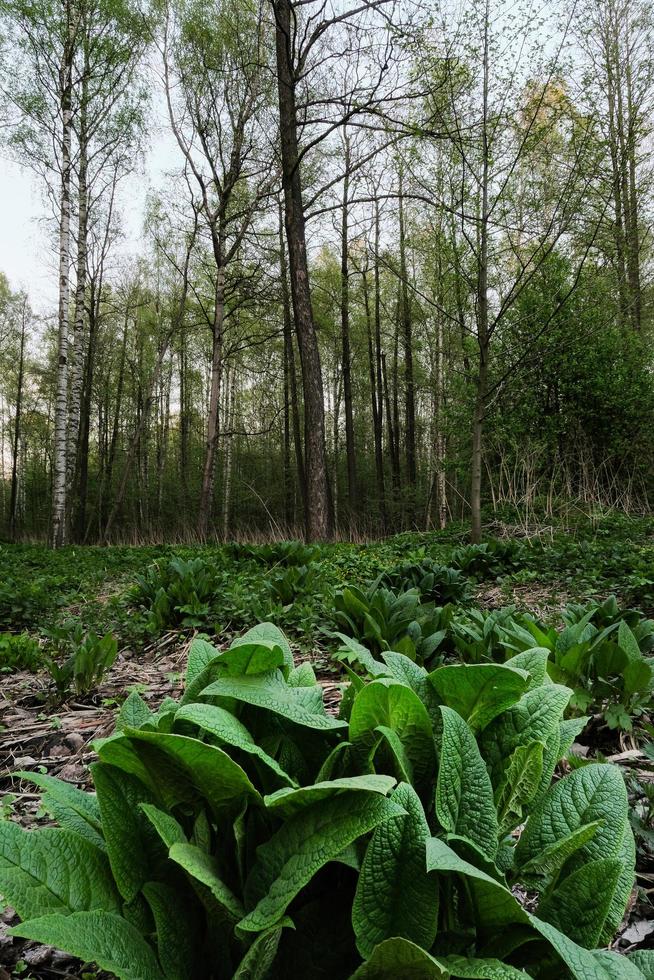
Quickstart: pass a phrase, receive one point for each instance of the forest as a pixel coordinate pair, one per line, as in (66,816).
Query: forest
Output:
(401,262)
(326,490)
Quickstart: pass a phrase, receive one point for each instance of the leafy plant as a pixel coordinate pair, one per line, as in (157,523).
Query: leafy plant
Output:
(490,559)
(19,651)
(277,553)
(434,582)
(384,620)
(91,658)
(287,584)
(246,832)
(178,593)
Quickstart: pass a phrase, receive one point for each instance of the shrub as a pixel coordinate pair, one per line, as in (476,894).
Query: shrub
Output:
(177,593)
(19,651)
(434,582)
(244,831)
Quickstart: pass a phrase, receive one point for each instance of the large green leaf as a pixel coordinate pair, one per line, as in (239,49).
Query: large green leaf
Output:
(301,705)
(134,712)
(167,827)
(184,767)
(203,868)
(593,793)
(179,932)
(132,844)
(53,870)
(228,729)
(395,896)
(519,785)
(96,937)
(534,662)
(201,653)
(386,703)
(400,959)
(534,718)
(267,633)
(286,802)
(580,903)
(71,807)
(552,858)
(622,892)
(479,692)
(303,845)
(464,795)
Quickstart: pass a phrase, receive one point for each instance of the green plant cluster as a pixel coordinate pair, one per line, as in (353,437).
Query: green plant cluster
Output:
(246,832)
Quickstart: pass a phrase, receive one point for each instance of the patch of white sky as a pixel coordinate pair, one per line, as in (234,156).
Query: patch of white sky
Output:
(28,242)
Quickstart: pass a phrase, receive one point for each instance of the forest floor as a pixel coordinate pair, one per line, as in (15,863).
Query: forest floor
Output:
(50,603)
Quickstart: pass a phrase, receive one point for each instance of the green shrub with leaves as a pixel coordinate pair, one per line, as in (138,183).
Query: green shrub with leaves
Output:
(19,651)
(286,585)
(90,658)
(384,620)
(435,583)
(490,559)
(177,593)
(605,665)
(277,553)
(245,832)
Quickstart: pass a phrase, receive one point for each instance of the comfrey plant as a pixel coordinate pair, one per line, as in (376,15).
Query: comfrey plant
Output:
(246,832)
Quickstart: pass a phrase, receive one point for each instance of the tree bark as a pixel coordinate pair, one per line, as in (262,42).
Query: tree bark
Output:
(317,525)
(60,473)
(208,475)
(346,356)
(13,501)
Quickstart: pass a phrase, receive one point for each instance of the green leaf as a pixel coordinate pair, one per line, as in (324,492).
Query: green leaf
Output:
(494,905)
(71,807)
(251,658)
(643,960)
(624,886)
(481,969)
(535,718)
(628,642)
(226,728)
(96,937)
(134,713)
(132,845)
(185,767)
(568,730)
(201,866)
(399,959)
(392,705)
(178,932)
(464,795)
(580,903)
(301,705)
(166,826)
(260,957)
(286,802)
(395,896)
(593,793)
(534,662)
(478,692)
(267,633)
(519,785)
(201,653)
(53,870)
(303,845)
(552,858)
(302,676)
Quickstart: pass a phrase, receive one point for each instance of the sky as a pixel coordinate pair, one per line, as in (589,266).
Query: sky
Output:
(27,248)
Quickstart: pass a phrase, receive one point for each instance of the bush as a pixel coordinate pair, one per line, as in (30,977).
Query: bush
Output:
(244,831)
(19,651)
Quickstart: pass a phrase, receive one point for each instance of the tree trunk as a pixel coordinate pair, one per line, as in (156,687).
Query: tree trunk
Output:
(60,474)
(229,451)
(289,361)
(317,496)
(409,385)
(77,367)
(83,455)
(208,476)
(13,501)
(346,356)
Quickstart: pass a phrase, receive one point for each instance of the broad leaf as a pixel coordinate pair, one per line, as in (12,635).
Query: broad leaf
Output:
(579,905)
(303,845)
(53,870)
(202,867)
(399,959)
(286,802)
(98,937)
(301,705)
(478,692)
(464,795)
(395,896)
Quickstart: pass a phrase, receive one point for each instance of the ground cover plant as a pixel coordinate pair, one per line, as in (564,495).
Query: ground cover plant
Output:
(375,620)
(228,828)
